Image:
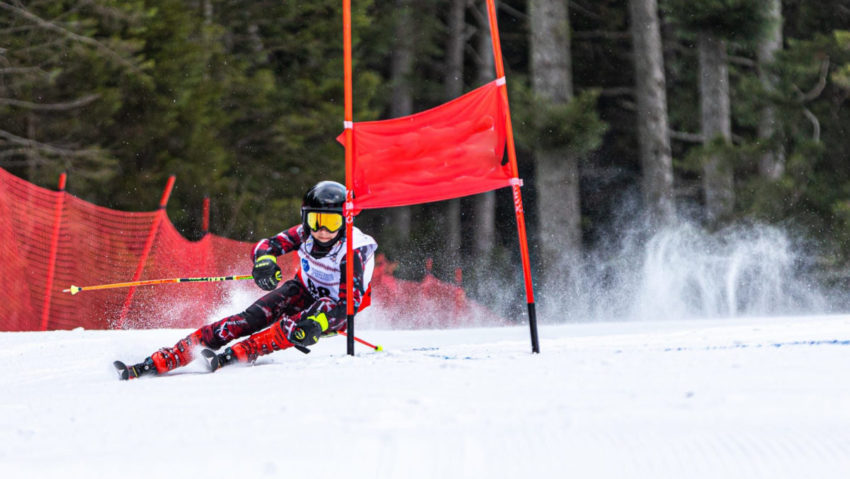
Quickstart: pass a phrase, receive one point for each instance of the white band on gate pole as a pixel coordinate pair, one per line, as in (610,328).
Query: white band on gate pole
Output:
(515,182)
(348,125)
(500,81)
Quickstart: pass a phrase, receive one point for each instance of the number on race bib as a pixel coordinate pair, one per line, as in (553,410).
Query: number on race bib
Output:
(318,292)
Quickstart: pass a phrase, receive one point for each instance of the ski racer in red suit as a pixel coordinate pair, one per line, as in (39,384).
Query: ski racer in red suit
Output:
(296,312)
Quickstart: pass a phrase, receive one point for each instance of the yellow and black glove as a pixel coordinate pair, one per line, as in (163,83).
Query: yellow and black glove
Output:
(307,331)
(266,272)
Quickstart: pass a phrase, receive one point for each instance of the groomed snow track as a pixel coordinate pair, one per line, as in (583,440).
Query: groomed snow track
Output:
(737,398)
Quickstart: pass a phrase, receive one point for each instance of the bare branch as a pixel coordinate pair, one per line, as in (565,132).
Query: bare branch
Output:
(17,29)
(49,46)
(739,60)
(579,8)
(480,17)
(69,34)
(511,11)
(28,162)
(627,104)
(13,152)
(45,147)
(51,106)
(618,91)
(686,137)
(14,70)
(601,35)
(473,52)
(468,33)
(106,12)
(818,88)
(815,124)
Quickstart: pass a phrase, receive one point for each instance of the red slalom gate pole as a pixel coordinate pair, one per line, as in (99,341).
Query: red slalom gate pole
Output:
(54,250)
(520,215)
(348,124)
(205,216)
(147,249)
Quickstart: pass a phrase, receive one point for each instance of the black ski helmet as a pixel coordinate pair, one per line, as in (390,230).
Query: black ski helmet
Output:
(325,197)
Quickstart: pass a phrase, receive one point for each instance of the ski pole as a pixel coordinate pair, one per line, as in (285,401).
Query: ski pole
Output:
(376,348)
(76,289)
(334,333)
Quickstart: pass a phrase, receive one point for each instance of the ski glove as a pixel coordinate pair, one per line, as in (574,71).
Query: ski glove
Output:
(307,331)
(266,272)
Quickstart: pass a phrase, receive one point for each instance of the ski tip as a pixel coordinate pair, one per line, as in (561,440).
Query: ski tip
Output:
(123,372)
(211,358)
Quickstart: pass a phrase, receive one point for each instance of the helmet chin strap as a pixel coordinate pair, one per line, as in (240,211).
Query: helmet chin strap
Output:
(321,248)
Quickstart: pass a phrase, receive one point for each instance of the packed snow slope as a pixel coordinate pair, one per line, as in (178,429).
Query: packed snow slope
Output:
(740,398)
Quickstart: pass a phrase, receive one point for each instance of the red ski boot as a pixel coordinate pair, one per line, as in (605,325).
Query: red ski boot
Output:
(181,354)
(247,351)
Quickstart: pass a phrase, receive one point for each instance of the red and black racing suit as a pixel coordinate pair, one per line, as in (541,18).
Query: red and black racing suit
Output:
(269,320)
(291,301)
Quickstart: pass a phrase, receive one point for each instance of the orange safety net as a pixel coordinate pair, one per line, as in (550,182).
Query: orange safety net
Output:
(97,245)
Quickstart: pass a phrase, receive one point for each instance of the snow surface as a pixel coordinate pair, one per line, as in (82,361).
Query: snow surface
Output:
(736,398)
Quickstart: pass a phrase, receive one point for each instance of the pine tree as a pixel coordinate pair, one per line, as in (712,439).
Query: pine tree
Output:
(62,71)
(715,23)
(652,125)
(557,176)
(772,160)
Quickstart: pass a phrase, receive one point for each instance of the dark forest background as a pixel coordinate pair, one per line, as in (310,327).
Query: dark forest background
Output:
(630,115)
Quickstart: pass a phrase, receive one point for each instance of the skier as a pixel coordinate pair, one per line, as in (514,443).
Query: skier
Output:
(298,311)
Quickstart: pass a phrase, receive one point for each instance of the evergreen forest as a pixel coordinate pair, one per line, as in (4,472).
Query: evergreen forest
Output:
(631,117)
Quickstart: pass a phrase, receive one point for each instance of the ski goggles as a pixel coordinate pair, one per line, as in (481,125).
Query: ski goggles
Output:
(329,221)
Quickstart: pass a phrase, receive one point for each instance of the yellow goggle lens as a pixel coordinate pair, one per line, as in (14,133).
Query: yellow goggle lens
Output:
(330,221)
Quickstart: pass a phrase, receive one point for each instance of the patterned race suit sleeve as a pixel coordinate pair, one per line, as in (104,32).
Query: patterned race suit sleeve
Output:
(279,244)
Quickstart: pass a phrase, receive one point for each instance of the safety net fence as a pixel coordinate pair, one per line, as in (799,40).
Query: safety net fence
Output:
(50,240)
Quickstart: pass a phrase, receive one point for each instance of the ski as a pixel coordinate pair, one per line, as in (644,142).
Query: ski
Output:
(126,373)
(123,370)
(217,361)
(211,359)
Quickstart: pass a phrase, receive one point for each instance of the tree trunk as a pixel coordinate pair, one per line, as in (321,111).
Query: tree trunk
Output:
(402,98)
(718,181)
(454,88)
(31,153)
(772,161)
(402,61)
(653,137)
(208,12)
(557,175)
(484,217)
(455,45)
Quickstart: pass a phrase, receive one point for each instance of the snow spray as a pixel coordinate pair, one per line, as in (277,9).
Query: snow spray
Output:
(684,271)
